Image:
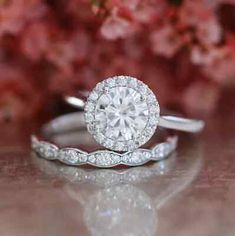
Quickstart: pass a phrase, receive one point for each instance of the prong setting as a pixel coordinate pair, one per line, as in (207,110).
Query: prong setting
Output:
(103,158)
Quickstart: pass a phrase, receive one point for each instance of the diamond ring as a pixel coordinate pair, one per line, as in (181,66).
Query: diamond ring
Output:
(106,177)
(59,132)
(122,114)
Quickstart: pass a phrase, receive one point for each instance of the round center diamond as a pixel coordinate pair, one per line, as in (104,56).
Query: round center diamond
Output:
(122,113)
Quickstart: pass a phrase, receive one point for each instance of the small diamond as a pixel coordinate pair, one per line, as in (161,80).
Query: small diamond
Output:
(94,96)
(132,82)
(71,156)
(115,158)
(109,142)
(92,158)
(111,82)
(135,158)
(120,145)
(104,159)
(142,87)
(90,106)
(100,87)
(89,117)
(147,155)
(91,128)
(162,150)
(47,150)
(101,137)
(148,131)
(121,80)
(152,120)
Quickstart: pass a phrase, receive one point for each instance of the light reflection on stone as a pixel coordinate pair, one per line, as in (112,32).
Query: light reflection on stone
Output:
(120,210)
(121,113)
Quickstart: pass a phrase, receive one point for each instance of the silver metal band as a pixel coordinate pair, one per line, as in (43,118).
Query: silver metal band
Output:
(169,122)
(103,158)
(100,158)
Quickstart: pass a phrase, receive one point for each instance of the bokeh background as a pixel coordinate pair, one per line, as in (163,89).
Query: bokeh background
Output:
(183,49)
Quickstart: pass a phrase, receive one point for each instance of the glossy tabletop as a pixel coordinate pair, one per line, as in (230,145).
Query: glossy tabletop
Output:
(190,193)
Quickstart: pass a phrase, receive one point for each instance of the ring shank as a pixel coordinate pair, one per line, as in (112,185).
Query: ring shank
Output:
(59,132)
(169,122)
(182,124)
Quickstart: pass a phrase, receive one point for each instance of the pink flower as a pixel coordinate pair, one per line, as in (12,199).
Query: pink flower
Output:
(18,100)
(63,53)
(207,56)
(200,98)
(200,17)
(209,32)
(35,40)
(218,62)
(148,12)
(15,14)
(130,4)
(166,41)
(59,47)
(192,12)
(222,71)
(115,27)
(216,3)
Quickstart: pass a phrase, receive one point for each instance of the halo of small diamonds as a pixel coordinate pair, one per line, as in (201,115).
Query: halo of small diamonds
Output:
(122,113)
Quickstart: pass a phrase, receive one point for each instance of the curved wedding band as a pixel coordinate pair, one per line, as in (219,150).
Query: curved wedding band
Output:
(106,177)
(100,158)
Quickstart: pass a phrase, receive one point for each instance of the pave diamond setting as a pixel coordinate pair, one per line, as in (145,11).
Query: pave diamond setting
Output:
(104,158)
(122,113)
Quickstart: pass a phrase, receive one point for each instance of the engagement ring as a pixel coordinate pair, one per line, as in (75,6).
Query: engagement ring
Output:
(65,133)
(122,114)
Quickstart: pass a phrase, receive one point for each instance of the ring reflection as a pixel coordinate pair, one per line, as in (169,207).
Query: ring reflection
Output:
(127,201)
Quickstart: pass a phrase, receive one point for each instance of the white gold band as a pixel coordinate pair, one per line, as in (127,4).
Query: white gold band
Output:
(103,158)
(100,158)
(169,122)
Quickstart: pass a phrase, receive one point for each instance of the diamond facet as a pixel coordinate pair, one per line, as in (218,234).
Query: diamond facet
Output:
(72,156)
(121,114)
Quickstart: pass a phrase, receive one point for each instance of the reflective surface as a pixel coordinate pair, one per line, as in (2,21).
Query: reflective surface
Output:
(190,193)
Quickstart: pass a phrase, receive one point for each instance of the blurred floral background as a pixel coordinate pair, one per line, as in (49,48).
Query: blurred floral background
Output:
(184,50)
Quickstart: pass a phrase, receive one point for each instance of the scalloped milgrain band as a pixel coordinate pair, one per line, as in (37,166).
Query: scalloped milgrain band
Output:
(107,177)
(103,158)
